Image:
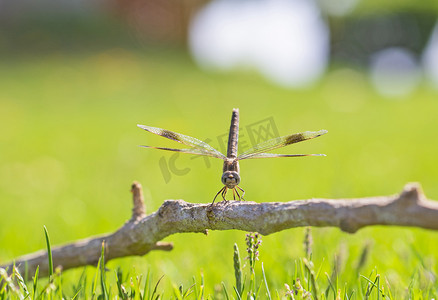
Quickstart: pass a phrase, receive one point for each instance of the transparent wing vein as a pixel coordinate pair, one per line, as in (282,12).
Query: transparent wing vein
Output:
(272,144)
(199,147)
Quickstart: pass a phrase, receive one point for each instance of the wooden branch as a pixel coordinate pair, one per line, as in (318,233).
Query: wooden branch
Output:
(142,233)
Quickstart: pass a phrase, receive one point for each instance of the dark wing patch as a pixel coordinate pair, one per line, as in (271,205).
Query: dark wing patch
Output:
(294,138)
(170,135)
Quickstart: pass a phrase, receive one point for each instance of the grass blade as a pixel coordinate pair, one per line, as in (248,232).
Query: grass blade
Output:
(147,286)
(49,252)
(177,292)
(77,293)
(21,282)
(237,269)
(122,293)
(94,284)
(156,286)
(102,273)
(188,291)
(389,289)
(225,291)
(35,282)
(195,288)
(312,280)
(237,293)
(266,283)
(256,294)
(202,289)
(329,287)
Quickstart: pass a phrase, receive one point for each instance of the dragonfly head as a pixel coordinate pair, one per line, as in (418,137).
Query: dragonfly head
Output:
(230,179)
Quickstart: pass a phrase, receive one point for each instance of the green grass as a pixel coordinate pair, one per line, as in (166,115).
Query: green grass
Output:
(307,282)
(69,153)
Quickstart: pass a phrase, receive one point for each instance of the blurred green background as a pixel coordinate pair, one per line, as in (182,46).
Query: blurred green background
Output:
(73,89)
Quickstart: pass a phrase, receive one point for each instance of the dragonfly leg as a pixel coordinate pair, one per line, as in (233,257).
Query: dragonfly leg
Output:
(234,194)
(221,190)
(224,193)
(242,191)
(238,195)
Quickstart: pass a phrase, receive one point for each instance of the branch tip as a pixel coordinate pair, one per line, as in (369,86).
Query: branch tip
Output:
(164,246)
(139,209)
(135,186)
(412,193)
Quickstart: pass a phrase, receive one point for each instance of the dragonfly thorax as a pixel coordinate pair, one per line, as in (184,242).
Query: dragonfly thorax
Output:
(230,179)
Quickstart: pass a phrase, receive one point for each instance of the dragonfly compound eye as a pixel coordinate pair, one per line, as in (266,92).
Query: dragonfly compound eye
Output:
(230,179)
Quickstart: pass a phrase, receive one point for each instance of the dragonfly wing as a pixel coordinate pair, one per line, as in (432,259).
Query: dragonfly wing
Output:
(265,155)
(189,151)
(280,142)
(186,140)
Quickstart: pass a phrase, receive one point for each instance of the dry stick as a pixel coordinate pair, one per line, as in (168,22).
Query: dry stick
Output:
(143,233)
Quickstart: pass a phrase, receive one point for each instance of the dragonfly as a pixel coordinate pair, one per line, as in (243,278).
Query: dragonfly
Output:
(231,170)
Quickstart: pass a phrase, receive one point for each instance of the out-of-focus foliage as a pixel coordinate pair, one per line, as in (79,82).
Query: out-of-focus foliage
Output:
(72,92)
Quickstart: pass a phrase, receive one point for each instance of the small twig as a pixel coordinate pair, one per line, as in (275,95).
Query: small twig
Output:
(139,208)
(142,233)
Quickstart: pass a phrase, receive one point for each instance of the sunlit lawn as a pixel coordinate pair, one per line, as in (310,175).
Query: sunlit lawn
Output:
(69,152)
